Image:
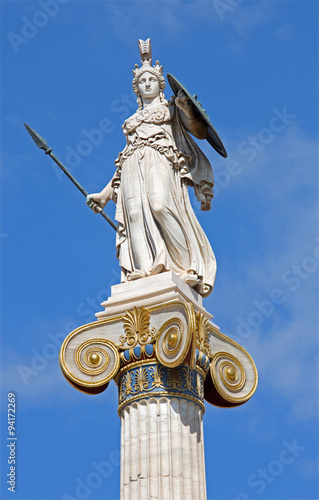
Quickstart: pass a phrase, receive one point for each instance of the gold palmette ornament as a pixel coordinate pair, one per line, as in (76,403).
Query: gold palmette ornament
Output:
(137,328)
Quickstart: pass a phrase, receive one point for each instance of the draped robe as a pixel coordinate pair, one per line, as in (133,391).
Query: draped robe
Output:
(158,230)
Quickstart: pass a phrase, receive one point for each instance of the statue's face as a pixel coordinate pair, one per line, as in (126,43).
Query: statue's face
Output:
(148,86)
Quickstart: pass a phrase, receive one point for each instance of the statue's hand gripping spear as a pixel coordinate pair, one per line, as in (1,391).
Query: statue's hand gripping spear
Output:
(42,144)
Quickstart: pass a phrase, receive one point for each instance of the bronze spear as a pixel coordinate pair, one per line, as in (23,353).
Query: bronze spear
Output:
(42,144)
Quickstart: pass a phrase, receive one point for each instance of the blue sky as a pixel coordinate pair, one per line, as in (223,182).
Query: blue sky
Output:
(65,70)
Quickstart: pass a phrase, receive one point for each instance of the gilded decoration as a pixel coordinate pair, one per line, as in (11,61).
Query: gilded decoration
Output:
(172,342)
(144,380)
(138,357)
(229,378)
(202,360)
(174,379)
(227,373)
(96,362)
(137,327)
(202,334)
(157,381)
(141,379)
(125,387)
(137,353)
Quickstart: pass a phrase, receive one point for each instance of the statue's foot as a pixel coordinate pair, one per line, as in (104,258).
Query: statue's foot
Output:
(135,275)
(190,277)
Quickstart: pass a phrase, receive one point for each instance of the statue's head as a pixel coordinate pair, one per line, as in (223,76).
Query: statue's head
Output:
(146,73)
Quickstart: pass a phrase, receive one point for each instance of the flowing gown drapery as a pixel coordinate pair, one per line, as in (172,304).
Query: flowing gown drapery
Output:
(158,229)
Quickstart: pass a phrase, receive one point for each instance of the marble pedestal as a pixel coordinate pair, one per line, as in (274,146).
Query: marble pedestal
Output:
(158,343)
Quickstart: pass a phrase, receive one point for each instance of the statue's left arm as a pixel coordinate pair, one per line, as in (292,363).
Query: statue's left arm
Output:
(190,119)
(199,173)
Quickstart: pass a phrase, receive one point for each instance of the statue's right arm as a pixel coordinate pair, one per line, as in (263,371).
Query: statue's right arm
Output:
(97,201)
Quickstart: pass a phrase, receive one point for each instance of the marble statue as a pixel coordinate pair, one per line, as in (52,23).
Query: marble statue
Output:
(157,228)
(155,338)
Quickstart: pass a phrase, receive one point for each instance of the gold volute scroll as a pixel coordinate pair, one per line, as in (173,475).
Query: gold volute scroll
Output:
(90,364)
(228,383)
(174,338)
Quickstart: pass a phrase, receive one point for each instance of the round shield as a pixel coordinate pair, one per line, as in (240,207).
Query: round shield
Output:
(212,136)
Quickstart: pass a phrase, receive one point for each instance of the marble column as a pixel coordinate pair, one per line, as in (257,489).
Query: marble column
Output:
(158,343)
(162,450)
(162,445)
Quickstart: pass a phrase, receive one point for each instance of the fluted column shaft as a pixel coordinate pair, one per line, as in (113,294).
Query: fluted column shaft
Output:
(162,445)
